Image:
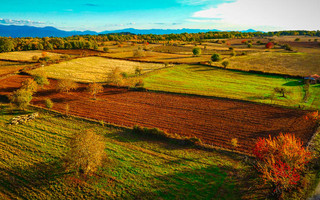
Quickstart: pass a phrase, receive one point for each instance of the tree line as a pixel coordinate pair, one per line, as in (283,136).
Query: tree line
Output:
(92,41)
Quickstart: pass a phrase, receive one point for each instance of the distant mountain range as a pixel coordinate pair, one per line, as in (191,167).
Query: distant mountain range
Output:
(31,31)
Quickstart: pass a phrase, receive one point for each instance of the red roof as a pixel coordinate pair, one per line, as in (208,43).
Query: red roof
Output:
(315,76)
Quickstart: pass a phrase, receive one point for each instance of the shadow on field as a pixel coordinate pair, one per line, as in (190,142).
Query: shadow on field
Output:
(294,83)
(129,137)
(8,89)
(23,181)
(212,182)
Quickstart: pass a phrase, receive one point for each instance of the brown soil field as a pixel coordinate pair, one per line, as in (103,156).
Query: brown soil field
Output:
(7,67)
(76,52)
(214,121)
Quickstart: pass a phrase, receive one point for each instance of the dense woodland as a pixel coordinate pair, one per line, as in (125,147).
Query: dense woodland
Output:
(93,41)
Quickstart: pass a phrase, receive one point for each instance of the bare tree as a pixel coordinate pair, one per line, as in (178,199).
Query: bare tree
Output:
(65,85)
(94,88)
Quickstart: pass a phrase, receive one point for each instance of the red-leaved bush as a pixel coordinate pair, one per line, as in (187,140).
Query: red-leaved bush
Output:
(269,45)
(281,160)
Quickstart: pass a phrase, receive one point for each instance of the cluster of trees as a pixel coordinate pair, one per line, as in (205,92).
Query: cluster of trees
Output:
(92,41)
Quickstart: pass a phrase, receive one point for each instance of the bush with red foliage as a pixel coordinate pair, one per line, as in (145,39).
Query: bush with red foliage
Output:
(269,45)
(243,41)
(281,160)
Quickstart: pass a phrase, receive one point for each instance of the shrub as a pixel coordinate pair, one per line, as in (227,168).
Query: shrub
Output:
(65,85)
(215,57)
(287,47)
(138,71)
(233,53)
(249,45)
(49,103)
(196,51)
(139,83)
(86,152)
(106,49)
(281,160)
(244,41)
(297,39)
(225,64)
(231,48)
(234,142)
(21,98)
(269,45)
(139,53)
(35,58)
(41,79)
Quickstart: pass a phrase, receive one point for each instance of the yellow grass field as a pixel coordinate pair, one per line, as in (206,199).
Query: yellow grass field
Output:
(93,69)
(26,55)
(302,64)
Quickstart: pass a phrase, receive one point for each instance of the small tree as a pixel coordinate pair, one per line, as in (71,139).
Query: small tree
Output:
(249,45)
(86,152)
(281,91)
(196,51)
(49,103)
(30,85)
(94,88)
(106,49)
(41,79)
(215,57)
(65,85)
(21,98)
(225,64)
(115,77)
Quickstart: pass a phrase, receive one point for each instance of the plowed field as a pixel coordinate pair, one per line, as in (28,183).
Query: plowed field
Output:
(214,121)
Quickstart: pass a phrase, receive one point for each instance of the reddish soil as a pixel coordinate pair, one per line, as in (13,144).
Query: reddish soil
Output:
(214,121)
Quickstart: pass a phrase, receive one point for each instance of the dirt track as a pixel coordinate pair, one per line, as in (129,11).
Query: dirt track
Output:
(214,121)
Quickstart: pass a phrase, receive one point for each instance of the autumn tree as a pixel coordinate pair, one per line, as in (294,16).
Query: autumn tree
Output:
(65,85)
(215,57)
(6,45)
(115,77)
(196,51)
(94,88)
(21,98)
(86,152)
(225,64)
(281,160)
(30,85)
(41,79)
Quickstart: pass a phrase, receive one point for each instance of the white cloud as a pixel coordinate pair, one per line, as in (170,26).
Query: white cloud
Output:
(192,2)
(20,22)
(284,14)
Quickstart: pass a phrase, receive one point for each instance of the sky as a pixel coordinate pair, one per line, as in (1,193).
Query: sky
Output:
(226,15)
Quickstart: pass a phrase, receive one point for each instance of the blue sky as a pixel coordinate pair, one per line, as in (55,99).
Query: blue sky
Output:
(99,15)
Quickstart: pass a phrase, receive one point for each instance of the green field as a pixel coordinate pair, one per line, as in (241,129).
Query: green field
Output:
(93,69)
(212,81)
(136,167)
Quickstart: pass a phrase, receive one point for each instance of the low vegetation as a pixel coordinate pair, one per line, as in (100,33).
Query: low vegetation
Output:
(93,69)
(209,81)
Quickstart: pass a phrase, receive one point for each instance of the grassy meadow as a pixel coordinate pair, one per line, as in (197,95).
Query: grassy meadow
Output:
(212,81)
(135,168)
(93,69)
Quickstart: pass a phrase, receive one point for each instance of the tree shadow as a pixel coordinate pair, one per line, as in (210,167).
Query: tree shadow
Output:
(210,182)
(22,181)
(294,83)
